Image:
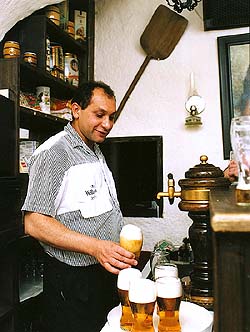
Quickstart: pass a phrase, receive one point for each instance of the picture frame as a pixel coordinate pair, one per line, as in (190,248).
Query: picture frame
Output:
(234,76)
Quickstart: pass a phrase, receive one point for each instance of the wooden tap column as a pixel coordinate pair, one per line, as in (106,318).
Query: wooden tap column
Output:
(194,195)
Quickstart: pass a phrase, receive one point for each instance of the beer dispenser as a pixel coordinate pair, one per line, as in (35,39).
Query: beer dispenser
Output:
(194,195)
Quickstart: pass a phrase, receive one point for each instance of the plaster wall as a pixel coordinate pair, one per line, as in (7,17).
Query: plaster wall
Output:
(13,11)
(157,104)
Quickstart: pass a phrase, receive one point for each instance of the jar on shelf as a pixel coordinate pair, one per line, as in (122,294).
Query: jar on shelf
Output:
(43,96)
(30,58)
(53,13)
(57,61)
(71,70)
(64,14)
(71,29)
(11,49)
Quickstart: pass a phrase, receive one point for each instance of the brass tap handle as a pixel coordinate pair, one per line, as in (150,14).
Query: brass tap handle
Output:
(171,193)
(171,188)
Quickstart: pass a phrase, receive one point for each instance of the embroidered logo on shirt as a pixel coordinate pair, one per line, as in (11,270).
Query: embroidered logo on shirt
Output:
(91,192)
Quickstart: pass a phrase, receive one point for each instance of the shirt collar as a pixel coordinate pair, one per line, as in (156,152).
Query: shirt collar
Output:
(75,138)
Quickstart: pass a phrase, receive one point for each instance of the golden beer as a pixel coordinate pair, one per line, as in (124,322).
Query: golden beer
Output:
(142,298)
(124,278)
(131,239)
(169,292)
(168,311)
(143,316)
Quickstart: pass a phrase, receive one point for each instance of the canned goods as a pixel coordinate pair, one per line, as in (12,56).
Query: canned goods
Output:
(43,96)
(53,13)
(71,29)
(71,69)
(30,57)
(11,49)
(57,61)
(47,53)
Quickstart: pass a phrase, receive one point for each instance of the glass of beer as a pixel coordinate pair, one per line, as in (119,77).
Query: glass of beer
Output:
(240,140)
(131,239)
(123,281)
(142,298)
(169,292)
(165,270)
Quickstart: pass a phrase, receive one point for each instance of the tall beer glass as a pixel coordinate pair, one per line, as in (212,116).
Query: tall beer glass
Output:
(169,292)
(123,281)
(131,239)
(240,140)
(142,298)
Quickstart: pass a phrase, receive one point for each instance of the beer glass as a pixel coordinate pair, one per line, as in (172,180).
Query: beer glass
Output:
(240,141)
(142,298)
(123,281)
(165,270)
(131,239)
(169,292)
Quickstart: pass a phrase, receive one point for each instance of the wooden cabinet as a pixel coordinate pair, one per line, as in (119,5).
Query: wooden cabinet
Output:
(21,256)
(231,243)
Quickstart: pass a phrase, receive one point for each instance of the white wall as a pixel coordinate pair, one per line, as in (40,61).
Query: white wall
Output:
(157,105)
(13,11)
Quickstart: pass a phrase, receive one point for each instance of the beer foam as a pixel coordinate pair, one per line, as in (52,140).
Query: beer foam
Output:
(126,276)
(168,270)
(168,287)
(142,291)
(131,232)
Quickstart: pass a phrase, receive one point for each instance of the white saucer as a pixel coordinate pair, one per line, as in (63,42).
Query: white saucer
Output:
(193,318)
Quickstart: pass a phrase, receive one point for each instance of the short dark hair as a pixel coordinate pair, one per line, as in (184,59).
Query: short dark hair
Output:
(85,92)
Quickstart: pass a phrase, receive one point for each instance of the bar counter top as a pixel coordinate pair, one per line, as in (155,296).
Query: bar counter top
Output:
(226,216)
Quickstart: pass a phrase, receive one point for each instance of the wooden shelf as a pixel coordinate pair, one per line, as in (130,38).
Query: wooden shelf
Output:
(21,295)
(62,37)
(34,115)
(34,76)
(44,124)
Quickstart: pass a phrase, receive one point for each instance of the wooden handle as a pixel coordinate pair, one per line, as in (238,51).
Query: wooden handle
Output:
(132,86)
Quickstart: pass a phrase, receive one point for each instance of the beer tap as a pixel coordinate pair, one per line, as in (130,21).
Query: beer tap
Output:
(194,198)
(171,193)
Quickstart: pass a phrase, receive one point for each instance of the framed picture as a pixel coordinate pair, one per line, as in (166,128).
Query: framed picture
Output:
(234,71)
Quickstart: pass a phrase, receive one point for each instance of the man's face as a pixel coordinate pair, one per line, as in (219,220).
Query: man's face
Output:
(94,123)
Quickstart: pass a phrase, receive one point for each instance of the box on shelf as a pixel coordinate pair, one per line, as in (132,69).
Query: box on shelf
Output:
(26,149)
(80,25)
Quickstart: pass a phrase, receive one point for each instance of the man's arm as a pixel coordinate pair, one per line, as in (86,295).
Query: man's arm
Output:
(47,229)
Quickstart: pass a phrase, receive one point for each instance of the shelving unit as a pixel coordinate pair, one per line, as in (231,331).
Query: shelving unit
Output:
(20,293)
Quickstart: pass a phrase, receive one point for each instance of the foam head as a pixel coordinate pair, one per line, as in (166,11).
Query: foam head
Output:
(166,270)
(168,287)
(142,291)
(126,276)
(131,232)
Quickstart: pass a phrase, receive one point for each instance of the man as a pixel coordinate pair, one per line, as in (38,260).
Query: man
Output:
(72,209)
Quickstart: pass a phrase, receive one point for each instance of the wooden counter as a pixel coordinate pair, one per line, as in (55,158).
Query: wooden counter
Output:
(231,249)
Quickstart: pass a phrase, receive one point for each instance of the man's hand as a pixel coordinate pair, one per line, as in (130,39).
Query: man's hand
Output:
(231,172)
(113,257)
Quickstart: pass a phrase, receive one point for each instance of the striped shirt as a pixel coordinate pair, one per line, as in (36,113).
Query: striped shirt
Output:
(71,183)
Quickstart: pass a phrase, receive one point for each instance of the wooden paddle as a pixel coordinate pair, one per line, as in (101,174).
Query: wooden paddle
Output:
(158,40)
